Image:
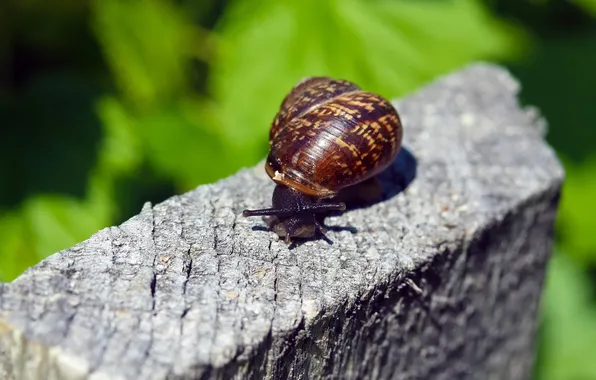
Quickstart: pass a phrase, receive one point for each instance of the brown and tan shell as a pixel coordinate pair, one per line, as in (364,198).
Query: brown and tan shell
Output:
(329,134)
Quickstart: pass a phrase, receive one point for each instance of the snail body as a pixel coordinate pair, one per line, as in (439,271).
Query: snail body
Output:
(328,135)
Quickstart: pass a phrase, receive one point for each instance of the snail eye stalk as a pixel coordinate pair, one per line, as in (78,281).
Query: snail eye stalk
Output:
(313,208)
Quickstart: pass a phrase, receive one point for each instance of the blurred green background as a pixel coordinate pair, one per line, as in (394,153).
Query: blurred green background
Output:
(107,104)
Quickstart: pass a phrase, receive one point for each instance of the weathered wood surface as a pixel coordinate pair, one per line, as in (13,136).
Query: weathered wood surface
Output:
(440,281)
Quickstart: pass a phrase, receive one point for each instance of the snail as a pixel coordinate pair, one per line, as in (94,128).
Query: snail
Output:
(328,136)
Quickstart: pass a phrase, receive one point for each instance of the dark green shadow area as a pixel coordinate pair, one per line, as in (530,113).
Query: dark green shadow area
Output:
(559,75)
(49,137)
(561,81)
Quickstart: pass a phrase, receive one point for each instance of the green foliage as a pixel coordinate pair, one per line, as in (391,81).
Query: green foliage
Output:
(120,102)
(577,215)
(569,331)
(48,223)
(386,46)
(122,149)
(148,52)
(588,5)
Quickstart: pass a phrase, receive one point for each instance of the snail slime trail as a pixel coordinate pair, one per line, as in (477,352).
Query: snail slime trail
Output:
(328,135)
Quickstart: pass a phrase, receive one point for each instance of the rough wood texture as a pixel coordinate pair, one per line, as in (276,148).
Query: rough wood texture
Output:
(440,281)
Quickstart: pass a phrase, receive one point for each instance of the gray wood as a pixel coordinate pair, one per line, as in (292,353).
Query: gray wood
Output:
(439,281)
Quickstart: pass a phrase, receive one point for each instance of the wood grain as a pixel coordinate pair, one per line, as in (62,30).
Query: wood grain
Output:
(439,281)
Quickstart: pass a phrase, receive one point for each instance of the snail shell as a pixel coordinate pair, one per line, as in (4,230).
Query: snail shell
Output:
(330,134)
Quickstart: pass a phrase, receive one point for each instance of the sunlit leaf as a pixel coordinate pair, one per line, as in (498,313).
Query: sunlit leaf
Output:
(121,149)
(46,224)
(147,44)
(391,47)
(16,250)
(588,5)
(179,148)
(54,222)
(569,330)
(577,213)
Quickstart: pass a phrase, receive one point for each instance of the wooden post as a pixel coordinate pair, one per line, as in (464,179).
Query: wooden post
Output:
(441,280)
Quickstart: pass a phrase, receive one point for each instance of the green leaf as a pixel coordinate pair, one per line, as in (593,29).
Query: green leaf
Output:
(178,146)
(55,222)
(47,223)
(390,47)
(156,118)
(569,329)
(577,214)
(147,45)
(121,150)
(16,250)
(588,5)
